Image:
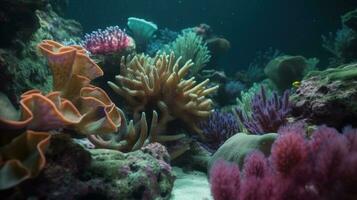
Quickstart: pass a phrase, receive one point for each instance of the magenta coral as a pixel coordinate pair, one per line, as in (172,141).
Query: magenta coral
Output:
(225,180)
(110,40)
(288,153)
(323,167)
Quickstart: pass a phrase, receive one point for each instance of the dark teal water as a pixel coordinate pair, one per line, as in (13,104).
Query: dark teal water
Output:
(294,27)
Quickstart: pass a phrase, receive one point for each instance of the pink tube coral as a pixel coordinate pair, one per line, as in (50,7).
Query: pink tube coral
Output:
(110,40)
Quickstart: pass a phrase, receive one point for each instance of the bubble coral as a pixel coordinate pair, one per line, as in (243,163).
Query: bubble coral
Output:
(110,40)
(322,167)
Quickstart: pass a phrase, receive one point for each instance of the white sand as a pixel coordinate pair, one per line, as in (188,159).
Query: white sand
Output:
(191,185)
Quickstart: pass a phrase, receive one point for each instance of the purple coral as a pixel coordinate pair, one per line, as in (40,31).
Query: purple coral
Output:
(217,129)
(268,114)
(323,167)
(110,40)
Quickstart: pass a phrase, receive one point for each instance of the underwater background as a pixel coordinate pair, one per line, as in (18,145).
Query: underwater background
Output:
(178,100)
(251,26)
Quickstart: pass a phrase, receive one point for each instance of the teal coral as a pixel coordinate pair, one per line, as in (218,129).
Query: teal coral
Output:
(142,30)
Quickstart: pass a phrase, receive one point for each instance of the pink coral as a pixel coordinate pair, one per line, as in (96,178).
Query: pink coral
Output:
(288,152)
(323,167)
(225,180)
(110,40)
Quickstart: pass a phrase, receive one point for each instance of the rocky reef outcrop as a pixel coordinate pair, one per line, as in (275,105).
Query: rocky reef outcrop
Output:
(74,172)
(24,24)
(328,97)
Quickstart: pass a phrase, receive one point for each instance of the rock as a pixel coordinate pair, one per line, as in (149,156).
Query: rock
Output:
(62,177)
(328,97)
(238,146)
(190,185)
(73,172)
(284,70)
(135,175)
(18,19)
(22,68)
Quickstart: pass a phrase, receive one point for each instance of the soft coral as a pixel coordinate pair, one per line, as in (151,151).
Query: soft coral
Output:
(323,167)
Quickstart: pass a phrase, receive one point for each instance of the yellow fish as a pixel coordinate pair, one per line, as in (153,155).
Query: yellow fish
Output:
(296,84)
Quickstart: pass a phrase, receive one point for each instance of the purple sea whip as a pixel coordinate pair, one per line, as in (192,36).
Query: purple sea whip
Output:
(268,114)
(217,129)
(110,40)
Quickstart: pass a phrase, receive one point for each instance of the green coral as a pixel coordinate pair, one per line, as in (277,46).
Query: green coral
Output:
(190,46)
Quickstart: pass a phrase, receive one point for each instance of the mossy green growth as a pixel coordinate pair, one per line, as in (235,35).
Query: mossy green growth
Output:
(241,144)
(133,175)
(342,73)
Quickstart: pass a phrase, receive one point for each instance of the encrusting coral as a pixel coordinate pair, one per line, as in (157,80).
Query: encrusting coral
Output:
(149,83)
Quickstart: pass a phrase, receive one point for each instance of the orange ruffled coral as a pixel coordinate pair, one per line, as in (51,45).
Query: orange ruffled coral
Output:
(23,158)
(71,68)
(74,103)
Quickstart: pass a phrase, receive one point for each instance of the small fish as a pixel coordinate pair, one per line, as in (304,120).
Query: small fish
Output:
(296,84)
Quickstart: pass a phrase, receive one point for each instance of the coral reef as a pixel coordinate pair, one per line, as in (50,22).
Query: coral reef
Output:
(298,168)
(217,129)
(74,103)
(328,97)
(141,29)
(150,83)
(190,46)
(284,70)
(236,148)
(110,40)
(72,172)
(267,114)
(22,69)
(136,175)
